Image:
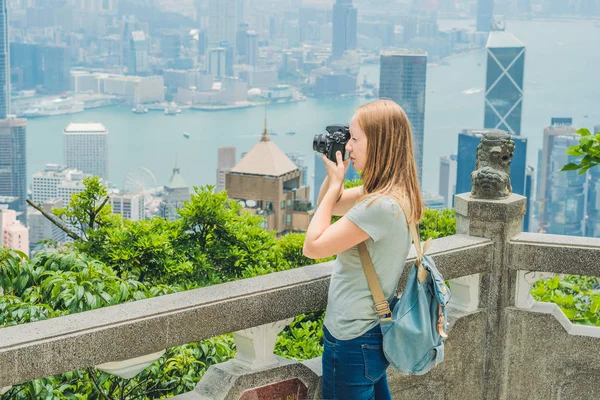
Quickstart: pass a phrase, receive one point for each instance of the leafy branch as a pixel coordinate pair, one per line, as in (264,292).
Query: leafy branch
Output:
(588,148)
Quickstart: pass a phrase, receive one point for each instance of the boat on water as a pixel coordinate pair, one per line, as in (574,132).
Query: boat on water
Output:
(139,109)
(291,133)
(58,106)
(472,91)
(186,135)
(172,110)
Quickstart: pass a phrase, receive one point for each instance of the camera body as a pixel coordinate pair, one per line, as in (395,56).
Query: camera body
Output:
(334,140)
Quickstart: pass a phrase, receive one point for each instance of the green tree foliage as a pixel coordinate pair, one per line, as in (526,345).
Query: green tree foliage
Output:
(577,296)
(587,152)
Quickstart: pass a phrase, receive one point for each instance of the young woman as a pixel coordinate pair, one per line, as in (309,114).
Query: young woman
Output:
(380,146)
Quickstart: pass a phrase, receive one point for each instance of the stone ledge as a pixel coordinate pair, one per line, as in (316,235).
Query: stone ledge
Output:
(555,253)
(49,347)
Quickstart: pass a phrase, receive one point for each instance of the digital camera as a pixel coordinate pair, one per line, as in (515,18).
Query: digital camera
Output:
(334,140)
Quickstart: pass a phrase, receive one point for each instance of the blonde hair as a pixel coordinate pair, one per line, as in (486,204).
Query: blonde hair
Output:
(390,166)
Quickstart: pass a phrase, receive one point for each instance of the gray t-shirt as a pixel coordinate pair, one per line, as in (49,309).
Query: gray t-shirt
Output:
(350,304)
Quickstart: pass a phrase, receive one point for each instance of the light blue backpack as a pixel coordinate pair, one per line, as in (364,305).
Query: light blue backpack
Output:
(413,332)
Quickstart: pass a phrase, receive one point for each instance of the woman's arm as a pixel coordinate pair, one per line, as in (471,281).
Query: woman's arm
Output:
(323,239)
(345,198)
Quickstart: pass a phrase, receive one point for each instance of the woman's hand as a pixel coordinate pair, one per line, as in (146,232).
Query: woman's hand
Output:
(336,171)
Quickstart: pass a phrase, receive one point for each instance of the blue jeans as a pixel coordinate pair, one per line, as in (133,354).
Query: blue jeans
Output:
(355,369)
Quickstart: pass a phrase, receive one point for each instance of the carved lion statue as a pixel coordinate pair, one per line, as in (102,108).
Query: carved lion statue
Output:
(491,178)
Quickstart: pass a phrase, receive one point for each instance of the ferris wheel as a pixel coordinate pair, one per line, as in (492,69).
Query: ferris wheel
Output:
(141,180)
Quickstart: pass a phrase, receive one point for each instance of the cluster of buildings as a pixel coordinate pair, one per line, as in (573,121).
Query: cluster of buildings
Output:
(230,48)
(559,202)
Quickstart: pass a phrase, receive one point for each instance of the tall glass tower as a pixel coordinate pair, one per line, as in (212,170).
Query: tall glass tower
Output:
(562,193)
(344,28)
(402,79)
(485,15)
(504,82)
(4,62)
(13,163)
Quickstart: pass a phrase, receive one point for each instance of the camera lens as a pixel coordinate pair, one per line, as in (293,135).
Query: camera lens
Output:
(320,143)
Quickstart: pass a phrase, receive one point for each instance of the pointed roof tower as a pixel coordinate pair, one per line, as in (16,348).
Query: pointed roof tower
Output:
(265,158)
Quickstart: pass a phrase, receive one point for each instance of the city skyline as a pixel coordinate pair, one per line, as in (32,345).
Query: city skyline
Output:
(244,55)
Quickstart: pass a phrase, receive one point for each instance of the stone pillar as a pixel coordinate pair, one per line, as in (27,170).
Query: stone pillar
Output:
(498,220)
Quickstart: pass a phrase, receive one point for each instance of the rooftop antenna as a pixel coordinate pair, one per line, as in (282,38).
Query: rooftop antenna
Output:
(265,137)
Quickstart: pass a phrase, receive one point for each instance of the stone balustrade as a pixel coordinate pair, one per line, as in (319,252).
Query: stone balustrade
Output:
(502,344)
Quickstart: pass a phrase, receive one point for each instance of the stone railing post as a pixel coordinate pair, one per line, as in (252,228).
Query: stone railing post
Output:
(492,211)
(498,220)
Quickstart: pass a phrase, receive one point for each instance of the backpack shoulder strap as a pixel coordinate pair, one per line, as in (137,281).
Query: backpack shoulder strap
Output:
(422,273)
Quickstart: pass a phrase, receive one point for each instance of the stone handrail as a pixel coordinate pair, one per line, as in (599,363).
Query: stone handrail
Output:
(135,329)
(555,253)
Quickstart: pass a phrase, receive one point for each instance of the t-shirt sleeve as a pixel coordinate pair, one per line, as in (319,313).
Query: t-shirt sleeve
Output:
(374,217)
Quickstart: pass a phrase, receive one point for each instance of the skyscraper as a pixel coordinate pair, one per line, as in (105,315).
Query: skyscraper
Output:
(56,62)
(504,82)
(485,15)
(86,148)
(225,161)
(344,28)
(562,193)
(4,62)
(402,79)
(138,60)
(222,24)
(13,163)
(252,48)
(447,184)
(217,62)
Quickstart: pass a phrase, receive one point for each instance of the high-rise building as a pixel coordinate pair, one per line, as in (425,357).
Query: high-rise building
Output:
(45,183)
(170,45)
(530,194)
(129,205)
(269,184)
(127,27)
(252,48)
(225,161)
(26,66)
(504,82)
(447,184)
(402,79)
(4,62)
(13,234)
(298,159)
(40,227)
(177,192)
(86,148)
(56,67)
(222,24)
(13,163)
(138,59)
(241,38)
(485,15)
(217,62)
(344,28)
(562,193)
